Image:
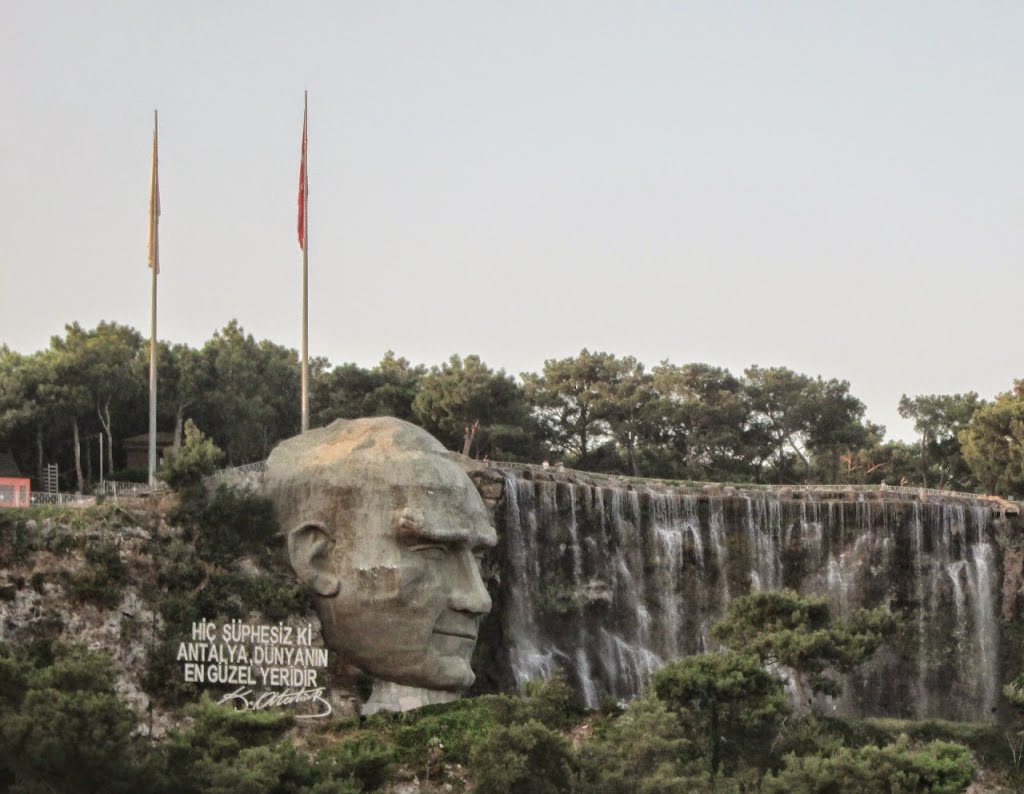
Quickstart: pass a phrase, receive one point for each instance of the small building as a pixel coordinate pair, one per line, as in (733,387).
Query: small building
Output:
(15,490)
(136,450)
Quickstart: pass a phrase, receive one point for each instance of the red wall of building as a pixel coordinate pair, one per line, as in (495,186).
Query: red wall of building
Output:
(15,492)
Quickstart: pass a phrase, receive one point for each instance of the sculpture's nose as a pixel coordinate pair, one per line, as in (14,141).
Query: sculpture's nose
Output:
(469,593)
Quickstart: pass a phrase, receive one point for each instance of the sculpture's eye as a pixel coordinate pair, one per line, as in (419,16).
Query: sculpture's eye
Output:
(478,554)
(433,551)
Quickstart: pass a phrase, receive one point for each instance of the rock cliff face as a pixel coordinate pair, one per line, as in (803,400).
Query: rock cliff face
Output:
(38,564)
(112,578)
(609,582)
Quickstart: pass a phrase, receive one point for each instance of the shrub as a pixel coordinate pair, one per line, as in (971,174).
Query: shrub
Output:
(937,767)
(800,632)
(227,524)
(643,750)
(186,466)
(235,522)
(62,728)
(16,543)
(727,701)
(522,759)
(553,703)
(234,595)
(100,579)
(363,758)
(210,755)
(161,678)
(458,725)
(226,751)
(177,568)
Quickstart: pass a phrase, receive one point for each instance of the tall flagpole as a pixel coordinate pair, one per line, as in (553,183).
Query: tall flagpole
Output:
(304,239)
(154,265)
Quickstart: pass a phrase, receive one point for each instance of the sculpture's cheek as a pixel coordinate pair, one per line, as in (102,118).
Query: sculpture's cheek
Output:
(423,596)
(378,584)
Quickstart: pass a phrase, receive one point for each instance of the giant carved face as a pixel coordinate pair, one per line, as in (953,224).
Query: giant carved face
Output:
(386,530)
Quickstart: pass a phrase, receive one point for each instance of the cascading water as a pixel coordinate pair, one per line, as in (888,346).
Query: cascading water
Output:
(527,659)
(609,583)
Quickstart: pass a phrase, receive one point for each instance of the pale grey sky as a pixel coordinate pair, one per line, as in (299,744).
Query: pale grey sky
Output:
(833,187)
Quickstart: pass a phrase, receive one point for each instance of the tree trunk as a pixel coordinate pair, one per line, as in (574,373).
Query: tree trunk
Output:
(88,459)
(179,425)
(110,441)
(716,741)
(39,455)
(78,456)
(799,454)
(104,416)
(468,434)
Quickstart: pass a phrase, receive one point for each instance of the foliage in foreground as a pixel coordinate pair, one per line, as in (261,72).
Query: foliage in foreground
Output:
(727,702)
(522,759)
(800,632)
(643,750)
(62,729)
(937,767)
(717,723)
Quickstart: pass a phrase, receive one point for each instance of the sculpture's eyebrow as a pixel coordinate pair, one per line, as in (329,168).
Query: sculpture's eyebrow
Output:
(417,530)
(468,537)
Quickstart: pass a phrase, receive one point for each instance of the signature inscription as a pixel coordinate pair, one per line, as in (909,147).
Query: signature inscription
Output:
(243,700)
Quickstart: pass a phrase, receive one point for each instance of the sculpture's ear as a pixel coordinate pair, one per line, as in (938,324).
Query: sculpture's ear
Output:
(309,548)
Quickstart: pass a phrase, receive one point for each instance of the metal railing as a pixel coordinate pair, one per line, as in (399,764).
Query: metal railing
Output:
(905,490)
(247,468)
(37,498)
(115,488)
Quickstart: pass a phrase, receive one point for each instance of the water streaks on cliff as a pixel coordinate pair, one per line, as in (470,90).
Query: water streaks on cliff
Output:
(610,582)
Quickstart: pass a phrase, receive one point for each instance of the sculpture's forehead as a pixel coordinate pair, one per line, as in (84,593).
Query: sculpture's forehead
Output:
(378,438)
(427,482)
(370,446)
(365,470)
(463,500)
(405,471)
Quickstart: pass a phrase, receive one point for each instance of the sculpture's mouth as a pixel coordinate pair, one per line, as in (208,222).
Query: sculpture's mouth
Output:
(454,624)
(456,633)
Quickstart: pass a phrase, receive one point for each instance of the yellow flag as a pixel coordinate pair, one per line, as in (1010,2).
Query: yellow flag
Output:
(154,208)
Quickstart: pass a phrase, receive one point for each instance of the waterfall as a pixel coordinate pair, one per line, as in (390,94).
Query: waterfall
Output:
(982,593)
(764,531)
(920,612)
(527,659)
(609,583)
(716,524)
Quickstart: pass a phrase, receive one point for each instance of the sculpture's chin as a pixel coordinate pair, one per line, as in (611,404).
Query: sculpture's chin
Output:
(446,673)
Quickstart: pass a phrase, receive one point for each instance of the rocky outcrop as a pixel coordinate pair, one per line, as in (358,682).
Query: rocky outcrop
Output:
(97,577)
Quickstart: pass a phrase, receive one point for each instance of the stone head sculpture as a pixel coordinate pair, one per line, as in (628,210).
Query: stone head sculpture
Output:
(386,530)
